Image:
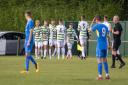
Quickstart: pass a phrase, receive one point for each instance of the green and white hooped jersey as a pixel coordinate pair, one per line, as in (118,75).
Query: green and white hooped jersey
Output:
(83,28)
(36,33)
(53,32)
(44,33)
(71,34)
(61,32)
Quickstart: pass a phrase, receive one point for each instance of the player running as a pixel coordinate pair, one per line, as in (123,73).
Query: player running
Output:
(52,38)
(29,42)
(37,38)
(83,27)
(45,36)
(101,49)
(61,36)
(70,39)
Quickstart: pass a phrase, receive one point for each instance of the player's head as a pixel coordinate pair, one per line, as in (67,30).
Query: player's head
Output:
(37,23)
(70,25)
(61,22)
(53,22)
(45,22)
(105,18)
(97,19)
(82,17)
(116,19)
(28,14)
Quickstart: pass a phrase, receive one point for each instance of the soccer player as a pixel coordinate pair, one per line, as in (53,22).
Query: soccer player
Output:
(117,32)
(101,49)
(83,27)
(109,29)
(37,38)
(52,38)
(70,39)
(29,42)
(61,36)
(45,37)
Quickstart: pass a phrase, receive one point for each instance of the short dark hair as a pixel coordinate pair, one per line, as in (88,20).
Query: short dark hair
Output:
(105,16)
(28,12)
(83,16)
(98,17)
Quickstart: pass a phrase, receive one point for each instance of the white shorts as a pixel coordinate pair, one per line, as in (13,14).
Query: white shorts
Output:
(60,43)
(38,44)
(45,43)
(69,45)
(52,42)
(82,40)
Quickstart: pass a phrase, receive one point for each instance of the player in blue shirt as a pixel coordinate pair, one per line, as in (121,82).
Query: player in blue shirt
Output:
(101,49)
(29,41)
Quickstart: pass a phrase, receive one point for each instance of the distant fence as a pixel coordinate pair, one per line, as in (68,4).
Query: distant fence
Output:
(92,42)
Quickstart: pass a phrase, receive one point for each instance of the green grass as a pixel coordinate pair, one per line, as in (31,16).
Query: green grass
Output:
(62,72)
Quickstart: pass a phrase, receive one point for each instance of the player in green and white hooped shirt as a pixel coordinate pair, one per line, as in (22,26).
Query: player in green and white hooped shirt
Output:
(70,34)
(37,38)
(52,38)
(61,35)
(83,27)
(45,36)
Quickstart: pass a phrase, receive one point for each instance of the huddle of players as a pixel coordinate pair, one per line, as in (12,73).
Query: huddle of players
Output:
(57,36)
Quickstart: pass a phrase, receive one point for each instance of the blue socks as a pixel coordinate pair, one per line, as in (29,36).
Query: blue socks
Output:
(32,59)
(106,67)
(28,58)
(100,68)
(27,63)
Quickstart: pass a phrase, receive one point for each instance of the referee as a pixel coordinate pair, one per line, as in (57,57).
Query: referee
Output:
(117,32)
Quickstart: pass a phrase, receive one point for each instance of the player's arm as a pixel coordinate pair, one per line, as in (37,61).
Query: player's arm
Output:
(30,36)
(109,41)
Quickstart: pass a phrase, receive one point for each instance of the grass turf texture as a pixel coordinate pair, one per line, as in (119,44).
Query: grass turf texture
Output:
(54,72)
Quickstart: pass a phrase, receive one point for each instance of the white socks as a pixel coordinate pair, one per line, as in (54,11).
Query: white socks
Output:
(36,53)
(63,52)
(58,53)
(50,53)
(54,51)
(83,53)
(45,53)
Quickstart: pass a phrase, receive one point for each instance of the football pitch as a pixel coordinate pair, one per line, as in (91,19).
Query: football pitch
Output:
(58,72)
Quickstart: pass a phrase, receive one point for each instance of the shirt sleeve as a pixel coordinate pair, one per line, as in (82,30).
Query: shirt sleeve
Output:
(94,27)
(31,25)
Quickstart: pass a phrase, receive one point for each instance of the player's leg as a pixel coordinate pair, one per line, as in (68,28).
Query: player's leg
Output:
(55,49)
(82,46)
(36,49)
(41,49)
(58,49)
(50,48)
(99,60)
(69,53)
(105,63)
(63,49)
(28,58)
(106,68)
(45,43)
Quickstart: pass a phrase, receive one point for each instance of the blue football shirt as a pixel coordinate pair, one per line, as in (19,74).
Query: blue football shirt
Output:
(29,26)
(101,31)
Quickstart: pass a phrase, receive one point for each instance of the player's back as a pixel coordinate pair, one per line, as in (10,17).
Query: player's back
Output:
(101,31)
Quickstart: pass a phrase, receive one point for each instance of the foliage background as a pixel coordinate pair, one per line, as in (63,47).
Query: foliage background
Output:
(12,11)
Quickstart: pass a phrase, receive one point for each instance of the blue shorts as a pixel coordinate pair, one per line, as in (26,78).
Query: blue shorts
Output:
(28,49)
(101,53)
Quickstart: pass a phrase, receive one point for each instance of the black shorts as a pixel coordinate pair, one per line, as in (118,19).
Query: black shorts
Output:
(116,44)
